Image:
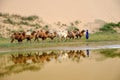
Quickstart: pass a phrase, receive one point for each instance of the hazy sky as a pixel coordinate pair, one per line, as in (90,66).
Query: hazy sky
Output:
(64,10)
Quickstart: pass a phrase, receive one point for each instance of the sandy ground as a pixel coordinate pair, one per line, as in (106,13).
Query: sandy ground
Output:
(65,10)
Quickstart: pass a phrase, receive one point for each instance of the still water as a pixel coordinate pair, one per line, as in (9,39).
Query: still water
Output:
(101,64)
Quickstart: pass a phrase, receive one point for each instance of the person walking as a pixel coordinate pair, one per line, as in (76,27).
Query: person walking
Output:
(87,34)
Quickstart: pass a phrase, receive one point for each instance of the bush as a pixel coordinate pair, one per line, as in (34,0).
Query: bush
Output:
(1,14)
(46,27)
(108,27)
(37,26)
(6,15)
(9,21)
(70,28)
(30,18)
(24,23)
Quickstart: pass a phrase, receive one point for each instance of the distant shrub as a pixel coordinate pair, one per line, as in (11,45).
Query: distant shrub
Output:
(15,15)
(37,26)
(24,23)
(77,22)
(70,28)
(12,31)
(20,29)
(9,21)
(31,29)
(46,27)
(118,24)
(6,15)
(109,27)
(1,14)
(30,18)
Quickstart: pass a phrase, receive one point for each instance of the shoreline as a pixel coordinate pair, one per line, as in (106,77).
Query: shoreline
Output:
(80,46)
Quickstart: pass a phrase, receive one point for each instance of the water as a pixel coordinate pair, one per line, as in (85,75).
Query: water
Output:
(75,64)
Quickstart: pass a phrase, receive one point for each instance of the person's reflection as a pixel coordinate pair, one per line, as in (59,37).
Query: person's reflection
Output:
(87,52)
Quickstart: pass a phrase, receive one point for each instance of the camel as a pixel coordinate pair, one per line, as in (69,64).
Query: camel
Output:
(19,36)
(71,35)
(30,36)
(52,35)
(79,33)
(41,34)
(62,34)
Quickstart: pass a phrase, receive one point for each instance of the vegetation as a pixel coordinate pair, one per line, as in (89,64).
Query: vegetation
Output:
(110,53)
(9,21)
(30,18)
(46,27)
(8,70)
(109,27)
(70,28)
(104,36)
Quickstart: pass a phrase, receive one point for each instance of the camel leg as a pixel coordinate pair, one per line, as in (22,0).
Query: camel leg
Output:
(29,40)
(19,41)
(36,38)
(52,38)
(12,40)
(77,36)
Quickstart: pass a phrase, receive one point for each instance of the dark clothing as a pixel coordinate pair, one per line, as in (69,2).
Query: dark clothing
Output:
(87,35)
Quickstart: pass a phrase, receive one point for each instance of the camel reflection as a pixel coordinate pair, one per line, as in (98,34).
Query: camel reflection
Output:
(35,61)
(48,56)
(75,55)
(24,59)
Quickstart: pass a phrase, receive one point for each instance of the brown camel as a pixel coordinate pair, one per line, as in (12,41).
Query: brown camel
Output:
(41,34)
(71,35)
(19,36)
(79,33)
(52,35)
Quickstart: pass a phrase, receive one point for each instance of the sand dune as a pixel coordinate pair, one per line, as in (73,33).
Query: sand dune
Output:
(65,10)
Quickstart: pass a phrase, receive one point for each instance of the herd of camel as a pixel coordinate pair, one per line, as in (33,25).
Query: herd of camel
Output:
(46,57)
(44,34)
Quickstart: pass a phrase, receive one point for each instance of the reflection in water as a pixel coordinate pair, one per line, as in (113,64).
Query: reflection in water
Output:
(16,63)
(87,52)
(46,57)
(34,61)
(110,52)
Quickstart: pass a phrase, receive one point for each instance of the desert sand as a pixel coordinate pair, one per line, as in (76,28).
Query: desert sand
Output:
(65,10)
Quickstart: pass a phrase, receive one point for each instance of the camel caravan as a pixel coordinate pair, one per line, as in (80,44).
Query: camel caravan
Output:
(44,34)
